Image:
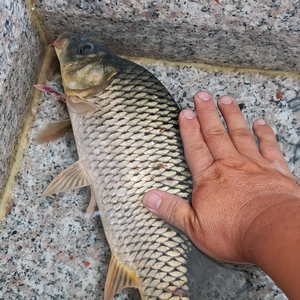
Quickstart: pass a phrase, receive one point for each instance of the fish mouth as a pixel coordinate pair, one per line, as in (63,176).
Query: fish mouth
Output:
(61,42)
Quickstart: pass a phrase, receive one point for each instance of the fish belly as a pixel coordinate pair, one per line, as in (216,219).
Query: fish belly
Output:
(132,144)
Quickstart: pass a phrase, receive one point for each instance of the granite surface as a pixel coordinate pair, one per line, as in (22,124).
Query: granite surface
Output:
(261,34)
(50,250)
(20,58)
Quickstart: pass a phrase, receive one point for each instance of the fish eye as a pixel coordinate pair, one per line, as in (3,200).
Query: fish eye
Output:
(85,49)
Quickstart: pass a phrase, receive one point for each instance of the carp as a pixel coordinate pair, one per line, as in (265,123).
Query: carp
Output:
(125,124)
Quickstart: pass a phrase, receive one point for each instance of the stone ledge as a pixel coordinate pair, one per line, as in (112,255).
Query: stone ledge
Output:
(20,60)
(245,33)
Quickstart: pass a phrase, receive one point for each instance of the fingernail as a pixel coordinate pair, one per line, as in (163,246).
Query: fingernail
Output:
(226,100)
(203,96)
(260,122)
(188,114)
(153,201)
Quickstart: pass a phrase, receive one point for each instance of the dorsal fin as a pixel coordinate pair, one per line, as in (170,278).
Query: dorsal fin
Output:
(74,177)
(118,277)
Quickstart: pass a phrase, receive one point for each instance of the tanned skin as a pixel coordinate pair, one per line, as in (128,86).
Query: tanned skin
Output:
(246,203)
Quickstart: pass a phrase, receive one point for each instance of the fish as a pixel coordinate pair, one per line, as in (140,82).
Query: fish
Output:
(125,124)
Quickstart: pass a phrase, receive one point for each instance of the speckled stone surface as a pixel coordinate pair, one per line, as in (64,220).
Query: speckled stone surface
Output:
(49,250)
(261,34)
(20,51)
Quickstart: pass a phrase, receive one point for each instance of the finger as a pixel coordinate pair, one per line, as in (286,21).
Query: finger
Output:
(241,136)
(269,148)
(212,128)
(168,207)
(196,152)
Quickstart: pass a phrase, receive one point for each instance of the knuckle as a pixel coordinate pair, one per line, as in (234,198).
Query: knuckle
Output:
(242,136)
(171,212)
(213,173)
(241,132)
(195,148)
(215,133)
(272,146)
(234,111)
(269,137)
(265,130)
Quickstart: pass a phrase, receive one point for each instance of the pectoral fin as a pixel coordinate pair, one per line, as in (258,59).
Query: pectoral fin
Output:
(54,131)
(76,104)
(74,177)
(118,277)
(80,107)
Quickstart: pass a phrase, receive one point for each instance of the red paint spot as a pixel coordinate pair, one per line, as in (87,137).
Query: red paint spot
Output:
(87,263)
(217,1)
(105,240)
(71,257)
(279,94)
(8,209)
(10,206)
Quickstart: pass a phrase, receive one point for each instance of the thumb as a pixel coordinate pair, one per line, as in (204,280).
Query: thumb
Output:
(170,208)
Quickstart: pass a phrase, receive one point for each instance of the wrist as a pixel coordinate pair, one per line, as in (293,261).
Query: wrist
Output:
(271,228)
(260,221)
(272,242)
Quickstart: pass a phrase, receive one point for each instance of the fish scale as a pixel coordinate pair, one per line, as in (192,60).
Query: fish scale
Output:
(126,129)
(138,250)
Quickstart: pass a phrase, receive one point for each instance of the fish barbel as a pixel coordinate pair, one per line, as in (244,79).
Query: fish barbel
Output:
(126,129)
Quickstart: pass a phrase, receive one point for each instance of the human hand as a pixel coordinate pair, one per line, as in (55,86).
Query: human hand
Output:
(234,181)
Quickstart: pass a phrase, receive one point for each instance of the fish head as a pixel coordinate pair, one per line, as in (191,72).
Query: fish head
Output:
(86,67)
